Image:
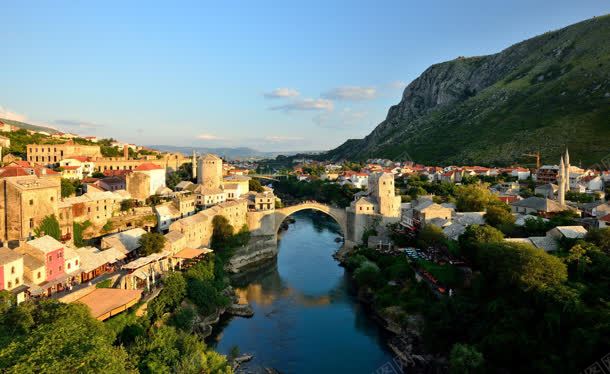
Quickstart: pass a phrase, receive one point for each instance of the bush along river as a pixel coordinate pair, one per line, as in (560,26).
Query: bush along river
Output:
(307,318)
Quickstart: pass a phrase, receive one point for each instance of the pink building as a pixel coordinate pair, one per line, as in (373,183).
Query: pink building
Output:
(51,252)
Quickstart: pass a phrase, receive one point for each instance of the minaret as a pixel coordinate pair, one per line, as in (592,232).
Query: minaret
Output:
(194,165)
(126,152)
(561,183)
(567,173)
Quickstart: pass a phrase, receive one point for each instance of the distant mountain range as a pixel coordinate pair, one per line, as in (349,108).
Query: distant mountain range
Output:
(538,95)
(227,153)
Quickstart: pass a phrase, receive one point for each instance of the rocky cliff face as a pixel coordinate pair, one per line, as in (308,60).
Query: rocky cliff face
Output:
(534,88)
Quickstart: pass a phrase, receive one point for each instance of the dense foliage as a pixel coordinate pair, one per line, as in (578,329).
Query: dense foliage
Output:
(49,226)
(292,190)
(151,242)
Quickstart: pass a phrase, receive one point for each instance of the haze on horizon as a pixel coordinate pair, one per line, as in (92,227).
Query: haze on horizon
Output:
(274,77)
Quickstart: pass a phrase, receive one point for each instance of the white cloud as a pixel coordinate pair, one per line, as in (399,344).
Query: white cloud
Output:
(208,137)
(14,116)
(279,93)
(351,93)
(306,104)
(343,119)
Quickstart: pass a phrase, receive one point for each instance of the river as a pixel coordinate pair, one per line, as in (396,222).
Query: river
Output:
(307,319)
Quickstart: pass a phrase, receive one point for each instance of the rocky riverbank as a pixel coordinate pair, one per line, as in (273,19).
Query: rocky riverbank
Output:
(405,332)
(203,325)
(258,250)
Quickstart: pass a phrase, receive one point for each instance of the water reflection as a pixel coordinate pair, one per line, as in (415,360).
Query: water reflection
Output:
(306,318)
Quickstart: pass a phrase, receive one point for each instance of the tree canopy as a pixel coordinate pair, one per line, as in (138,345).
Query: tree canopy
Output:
(151,242)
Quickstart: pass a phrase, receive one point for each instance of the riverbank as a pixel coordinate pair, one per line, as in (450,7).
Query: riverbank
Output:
(405,329)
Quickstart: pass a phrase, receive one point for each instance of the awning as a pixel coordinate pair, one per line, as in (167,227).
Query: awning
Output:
(190,253)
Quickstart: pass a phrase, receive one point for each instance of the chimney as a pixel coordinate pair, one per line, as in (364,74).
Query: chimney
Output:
(126,152)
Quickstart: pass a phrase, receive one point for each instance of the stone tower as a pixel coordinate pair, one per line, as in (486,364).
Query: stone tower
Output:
(382,190)
(194,165)
(126,152)
(210,171)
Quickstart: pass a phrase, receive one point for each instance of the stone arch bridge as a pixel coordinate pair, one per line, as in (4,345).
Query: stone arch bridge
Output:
(338,214)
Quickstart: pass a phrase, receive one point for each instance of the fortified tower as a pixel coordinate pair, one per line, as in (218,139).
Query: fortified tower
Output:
(210,171)
(382,191)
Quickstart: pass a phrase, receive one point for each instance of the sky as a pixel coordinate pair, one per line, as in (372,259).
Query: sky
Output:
(274,76)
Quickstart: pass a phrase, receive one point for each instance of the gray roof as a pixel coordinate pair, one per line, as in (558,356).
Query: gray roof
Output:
(540,204)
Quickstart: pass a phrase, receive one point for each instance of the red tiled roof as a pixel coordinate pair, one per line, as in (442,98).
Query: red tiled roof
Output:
(21,164)
(70,167)
(12,171)
(605,218)
(41,170)
(110,173)
(148,166)
(79,158)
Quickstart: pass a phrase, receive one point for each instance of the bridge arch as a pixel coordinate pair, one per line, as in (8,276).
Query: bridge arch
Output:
(338,214)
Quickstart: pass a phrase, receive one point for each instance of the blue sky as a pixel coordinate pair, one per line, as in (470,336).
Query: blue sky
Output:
(269,75)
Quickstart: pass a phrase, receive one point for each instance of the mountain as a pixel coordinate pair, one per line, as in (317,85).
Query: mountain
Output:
(228,153)
(538,95)
(27,126)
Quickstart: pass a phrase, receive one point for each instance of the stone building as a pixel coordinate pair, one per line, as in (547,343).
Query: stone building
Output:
(197,229)
(51,154)
(146,180)
(96,207)
(24,202)
(209,172)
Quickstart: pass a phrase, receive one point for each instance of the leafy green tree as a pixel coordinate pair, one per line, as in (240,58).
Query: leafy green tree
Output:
(78,230)
(499,216)
(127,204)
(172,294)
(49,226)
(167,350)
(465,359)
(476,235)
(151,242)
(368,275)
(510,264)
(255,185)
(61,338)
(67,188)
(431,236)
(474,197)
(600,237)
(222,231)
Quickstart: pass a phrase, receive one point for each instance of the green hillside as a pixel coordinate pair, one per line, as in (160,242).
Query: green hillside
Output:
(538,95)
(27,126)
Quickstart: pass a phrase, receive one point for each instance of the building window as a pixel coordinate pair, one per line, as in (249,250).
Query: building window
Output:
(69,266)
(16,281)
(31,201)
(12,270)
(52,199)
(10,284)
(31,223)
(38,275)
(76,262)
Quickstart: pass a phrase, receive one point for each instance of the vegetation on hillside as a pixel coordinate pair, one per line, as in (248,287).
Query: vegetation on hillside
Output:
(538,95)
